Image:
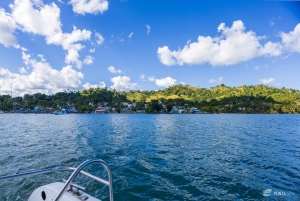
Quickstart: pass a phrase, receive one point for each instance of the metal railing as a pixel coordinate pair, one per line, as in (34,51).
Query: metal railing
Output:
(76,171)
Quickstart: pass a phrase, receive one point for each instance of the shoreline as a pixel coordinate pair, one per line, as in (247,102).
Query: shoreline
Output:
(148,113)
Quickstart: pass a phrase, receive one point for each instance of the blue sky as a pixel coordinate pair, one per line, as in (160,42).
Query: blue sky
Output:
(54,45)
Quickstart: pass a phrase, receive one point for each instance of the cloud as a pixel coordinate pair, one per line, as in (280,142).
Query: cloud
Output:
(113,70)
(43,21)
(151,79)
(267,81)
(7,29)
(22,70)
(88,85)
(89,6)
(166,56)
(291,41)
(100,38)
(92,50)
(41,56)
(37,18)
(148,29)
(142,76)
(219,80)
(5,73)
(165,82)
(69,42)
(41,79)
(130,35)
(88,60)
(260,67)
(122,83)
(73,57)
(26,58)
(233,46)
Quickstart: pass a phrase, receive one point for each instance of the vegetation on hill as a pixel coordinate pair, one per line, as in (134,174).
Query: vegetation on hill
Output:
(218,99)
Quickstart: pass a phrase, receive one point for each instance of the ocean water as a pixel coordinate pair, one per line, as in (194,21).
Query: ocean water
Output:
(157,157)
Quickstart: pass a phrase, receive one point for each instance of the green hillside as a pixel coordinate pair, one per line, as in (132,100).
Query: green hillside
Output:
(218,99)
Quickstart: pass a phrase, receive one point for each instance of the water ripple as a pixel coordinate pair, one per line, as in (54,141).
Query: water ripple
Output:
(158,157)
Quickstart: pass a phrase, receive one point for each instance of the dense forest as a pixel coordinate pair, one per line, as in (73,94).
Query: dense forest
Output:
(218,99)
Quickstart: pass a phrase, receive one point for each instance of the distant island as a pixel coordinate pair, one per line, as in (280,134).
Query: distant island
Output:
(174,99)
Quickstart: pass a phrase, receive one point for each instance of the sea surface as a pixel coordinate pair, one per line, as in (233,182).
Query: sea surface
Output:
(157,157)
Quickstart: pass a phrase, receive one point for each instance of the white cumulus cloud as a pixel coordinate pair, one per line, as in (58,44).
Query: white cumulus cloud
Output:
(233,46)
(99,38)
(92,50)
(69,42)
(165,82)
(22,70)
(114,70)
(122,83)
(166,56)
(219,80)
(89,6)
(73,57)
(42,78)
(151,79)
(7,29)
(142,76)
(88,85)
(291,40)
(44,19)
(267,81)
(88,60)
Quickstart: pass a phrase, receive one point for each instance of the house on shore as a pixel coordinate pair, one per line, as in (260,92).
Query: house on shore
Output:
(101,110)
(241,108)
(177,110)
(194,110)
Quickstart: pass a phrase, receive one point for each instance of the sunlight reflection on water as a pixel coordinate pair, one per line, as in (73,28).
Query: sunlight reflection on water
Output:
(158,157)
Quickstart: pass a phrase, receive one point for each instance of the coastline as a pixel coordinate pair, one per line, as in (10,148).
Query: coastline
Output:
(148,113)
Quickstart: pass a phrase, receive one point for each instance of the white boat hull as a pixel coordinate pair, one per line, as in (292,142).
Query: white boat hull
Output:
(67,191)
(50,191)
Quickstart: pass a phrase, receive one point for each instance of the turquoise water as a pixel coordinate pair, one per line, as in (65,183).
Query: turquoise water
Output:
(157,157)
